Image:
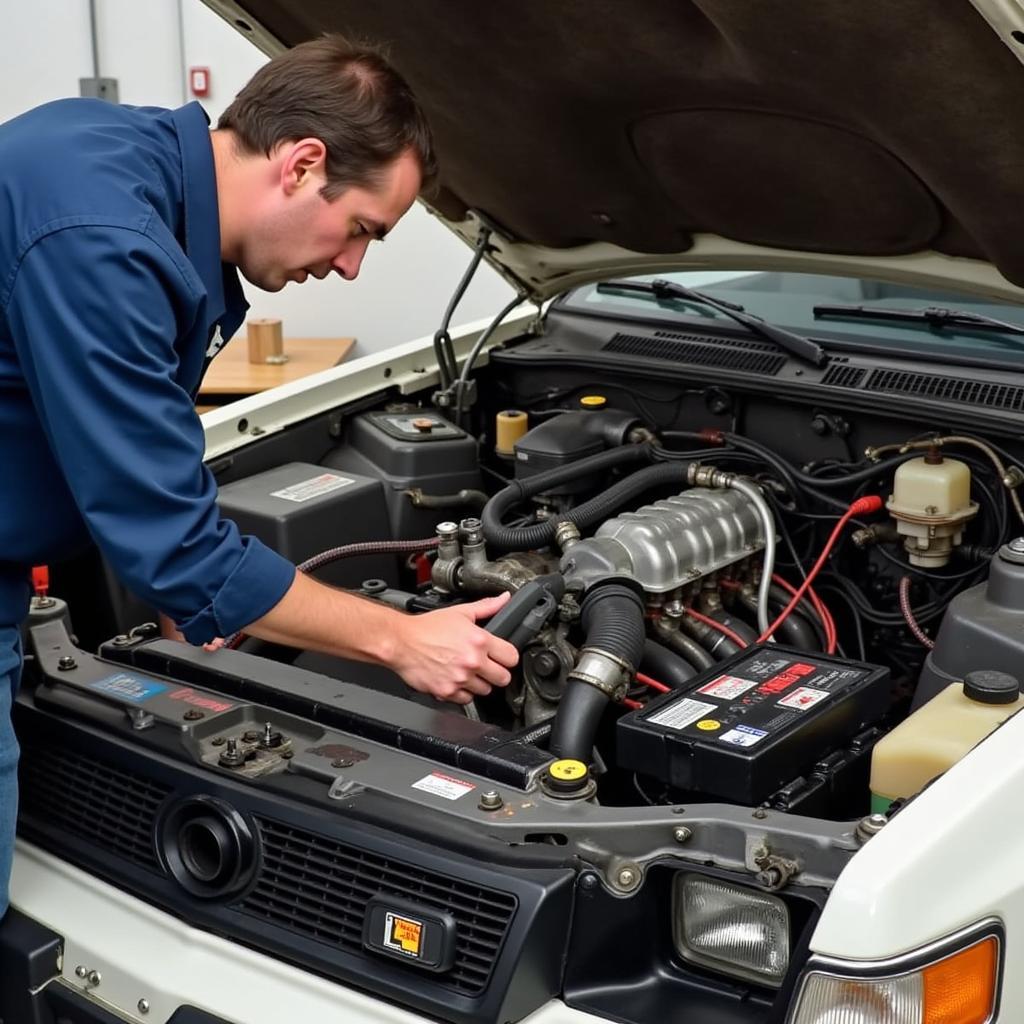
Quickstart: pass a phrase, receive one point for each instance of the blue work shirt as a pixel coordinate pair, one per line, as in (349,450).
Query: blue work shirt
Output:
(111,289)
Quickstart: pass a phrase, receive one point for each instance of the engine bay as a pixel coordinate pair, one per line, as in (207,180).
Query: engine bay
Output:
(657,536)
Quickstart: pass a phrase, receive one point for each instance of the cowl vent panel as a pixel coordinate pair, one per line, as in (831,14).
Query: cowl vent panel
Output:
(844,376)
(949,389)
(748,356)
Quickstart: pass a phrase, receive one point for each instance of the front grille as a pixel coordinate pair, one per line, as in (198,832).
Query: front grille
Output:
(843,376)
(739,354)
(950,389)
(319,888)
(65,792)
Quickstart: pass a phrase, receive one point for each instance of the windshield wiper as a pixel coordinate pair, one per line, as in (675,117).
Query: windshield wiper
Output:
(795,344)
(933,316)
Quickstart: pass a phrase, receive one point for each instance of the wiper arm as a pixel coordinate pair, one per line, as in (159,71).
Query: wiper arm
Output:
(933,316)
(795,344)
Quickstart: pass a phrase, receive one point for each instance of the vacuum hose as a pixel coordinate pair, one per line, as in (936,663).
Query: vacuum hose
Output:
(508,538)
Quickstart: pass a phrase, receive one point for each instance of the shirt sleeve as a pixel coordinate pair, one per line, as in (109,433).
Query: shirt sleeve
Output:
(95,313)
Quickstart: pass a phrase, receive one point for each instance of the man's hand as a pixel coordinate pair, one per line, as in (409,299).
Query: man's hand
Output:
(444,653)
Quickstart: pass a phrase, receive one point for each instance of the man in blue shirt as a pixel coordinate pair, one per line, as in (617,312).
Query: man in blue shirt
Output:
(120,233)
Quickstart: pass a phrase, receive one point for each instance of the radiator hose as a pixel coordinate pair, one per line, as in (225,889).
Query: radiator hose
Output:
(613,619)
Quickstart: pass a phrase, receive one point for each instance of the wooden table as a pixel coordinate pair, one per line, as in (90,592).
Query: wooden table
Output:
(231,375)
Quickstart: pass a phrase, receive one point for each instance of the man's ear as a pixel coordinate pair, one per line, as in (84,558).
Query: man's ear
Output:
(303,163)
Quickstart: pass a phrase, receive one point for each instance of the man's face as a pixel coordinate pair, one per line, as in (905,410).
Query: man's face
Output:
(297,233)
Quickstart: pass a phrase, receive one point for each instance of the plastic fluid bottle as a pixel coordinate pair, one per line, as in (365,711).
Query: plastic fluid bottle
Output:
(939,733)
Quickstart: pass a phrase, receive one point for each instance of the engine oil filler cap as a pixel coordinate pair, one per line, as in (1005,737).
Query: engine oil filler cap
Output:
(566,776)
(990,687)
(593,402)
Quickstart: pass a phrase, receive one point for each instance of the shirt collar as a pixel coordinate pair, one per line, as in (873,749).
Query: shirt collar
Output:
(227,305)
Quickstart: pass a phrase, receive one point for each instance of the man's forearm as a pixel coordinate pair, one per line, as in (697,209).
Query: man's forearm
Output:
(443,652)
(314,616)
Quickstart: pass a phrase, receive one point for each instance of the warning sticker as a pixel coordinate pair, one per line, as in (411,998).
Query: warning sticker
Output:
(728,687)
(444,785)
(404,934)
(743,736)
(129,687)
(681,714)
(803,697)
(313,487)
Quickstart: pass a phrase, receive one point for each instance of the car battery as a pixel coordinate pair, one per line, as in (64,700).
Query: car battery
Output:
(745,728)
(300,509)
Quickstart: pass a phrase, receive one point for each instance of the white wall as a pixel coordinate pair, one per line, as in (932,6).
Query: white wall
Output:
(403,287)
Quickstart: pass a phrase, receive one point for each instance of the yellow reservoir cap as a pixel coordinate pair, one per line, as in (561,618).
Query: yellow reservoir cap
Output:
(568,770)
(593,401)
(509,426)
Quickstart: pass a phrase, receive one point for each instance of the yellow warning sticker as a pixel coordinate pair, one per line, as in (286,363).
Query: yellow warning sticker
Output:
(403,933)
(709,725)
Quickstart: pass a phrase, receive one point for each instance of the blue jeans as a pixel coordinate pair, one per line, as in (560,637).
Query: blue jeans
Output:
(10,674)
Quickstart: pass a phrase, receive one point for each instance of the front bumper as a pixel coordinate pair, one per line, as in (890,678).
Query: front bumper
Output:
(186,976)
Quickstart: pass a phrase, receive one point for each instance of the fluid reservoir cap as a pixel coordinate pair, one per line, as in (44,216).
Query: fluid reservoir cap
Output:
(593,402)
(567,776)
(991,687)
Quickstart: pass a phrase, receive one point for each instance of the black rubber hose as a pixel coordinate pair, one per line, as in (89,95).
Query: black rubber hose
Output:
(741,628)
(666,666)
(795,630)
(511,538)
(804,611)
(717,644)
(687,648)
(613,620)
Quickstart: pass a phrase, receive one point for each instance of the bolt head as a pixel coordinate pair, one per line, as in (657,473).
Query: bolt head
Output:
(491,800)
(626,877)
(80,971)
(588,881)
(681,833)
(66,663)
(1017,545)
(143,1006)
(193,715)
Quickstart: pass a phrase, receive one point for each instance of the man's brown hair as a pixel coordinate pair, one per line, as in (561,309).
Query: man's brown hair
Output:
(344,94)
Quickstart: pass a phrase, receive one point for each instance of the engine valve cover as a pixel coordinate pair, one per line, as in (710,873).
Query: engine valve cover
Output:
(671,542)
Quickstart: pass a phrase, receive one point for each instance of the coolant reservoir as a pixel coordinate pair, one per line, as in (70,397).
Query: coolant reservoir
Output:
(931,501)
(939,733)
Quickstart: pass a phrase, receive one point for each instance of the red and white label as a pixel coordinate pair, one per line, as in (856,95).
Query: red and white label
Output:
(728,687)
(199,81)
(444,785)
(803,697)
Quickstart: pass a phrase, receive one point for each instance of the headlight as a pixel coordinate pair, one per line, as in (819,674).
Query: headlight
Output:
(730,928)
(958,989)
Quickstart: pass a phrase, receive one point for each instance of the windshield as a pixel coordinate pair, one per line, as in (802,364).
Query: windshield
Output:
(788,300)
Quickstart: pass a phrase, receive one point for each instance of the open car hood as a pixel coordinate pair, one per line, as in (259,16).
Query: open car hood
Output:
(602,138)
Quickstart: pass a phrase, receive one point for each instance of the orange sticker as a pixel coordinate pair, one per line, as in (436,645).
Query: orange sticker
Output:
(403,933)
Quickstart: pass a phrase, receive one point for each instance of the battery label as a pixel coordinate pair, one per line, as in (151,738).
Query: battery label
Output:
(728,687)
(803,697)
(313,487)
(743,736)
(681,714)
